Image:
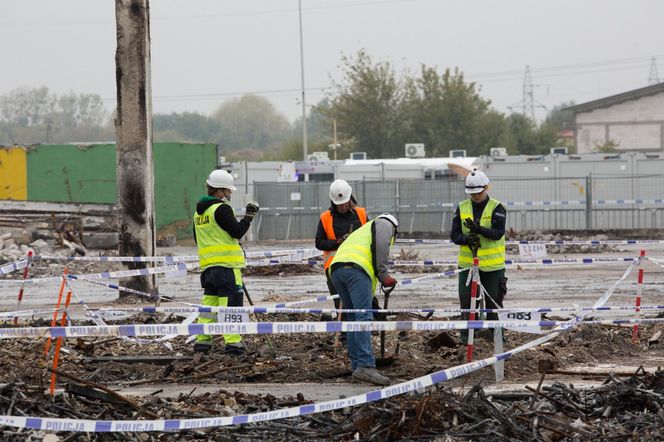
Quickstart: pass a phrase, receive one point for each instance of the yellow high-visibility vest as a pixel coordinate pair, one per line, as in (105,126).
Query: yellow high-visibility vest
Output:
(491,254)
(356,249)
(215,246)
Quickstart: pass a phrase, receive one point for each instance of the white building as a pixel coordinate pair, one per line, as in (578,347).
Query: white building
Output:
(633,120)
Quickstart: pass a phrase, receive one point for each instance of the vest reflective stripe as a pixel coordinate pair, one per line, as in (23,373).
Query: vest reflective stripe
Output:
(215,246)
(326,219)
(491,254)
(357,250)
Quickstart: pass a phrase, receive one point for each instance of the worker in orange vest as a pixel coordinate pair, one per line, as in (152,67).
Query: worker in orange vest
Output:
(340,220)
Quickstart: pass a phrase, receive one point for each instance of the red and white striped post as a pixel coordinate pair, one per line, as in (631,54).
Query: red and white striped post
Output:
(473,305)
(639,290)
(20,291)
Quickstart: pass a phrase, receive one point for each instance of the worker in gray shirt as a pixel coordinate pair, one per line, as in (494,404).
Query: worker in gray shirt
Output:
(359,264)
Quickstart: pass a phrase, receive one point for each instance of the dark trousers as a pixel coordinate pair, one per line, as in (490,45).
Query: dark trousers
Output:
(495,284)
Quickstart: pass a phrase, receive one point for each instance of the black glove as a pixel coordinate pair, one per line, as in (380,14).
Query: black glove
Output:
(251,210)
(471,225)
(474,241)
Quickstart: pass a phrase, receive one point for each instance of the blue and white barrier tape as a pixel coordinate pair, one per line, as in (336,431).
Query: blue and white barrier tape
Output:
(567,261)
(167,259)
(171,259)
(80,425)
(286,310)
(106,275)
(273,328)
(551,243)
(13,266)
(440,204)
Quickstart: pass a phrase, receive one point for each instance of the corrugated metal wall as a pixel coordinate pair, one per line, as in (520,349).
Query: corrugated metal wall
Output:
(291,210)
(13,173)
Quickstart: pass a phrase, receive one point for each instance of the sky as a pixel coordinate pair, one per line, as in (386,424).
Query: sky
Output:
(206,52)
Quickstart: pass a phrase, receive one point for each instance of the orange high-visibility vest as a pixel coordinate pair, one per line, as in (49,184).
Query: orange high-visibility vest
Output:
(326,219)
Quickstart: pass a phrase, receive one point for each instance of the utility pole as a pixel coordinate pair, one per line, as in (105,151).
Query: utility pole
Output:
(653,78)
(304,105)
(133,127)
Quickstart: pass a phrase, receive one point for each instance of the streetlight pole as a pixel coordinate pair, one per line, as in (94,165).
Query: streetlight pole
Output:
(304,109)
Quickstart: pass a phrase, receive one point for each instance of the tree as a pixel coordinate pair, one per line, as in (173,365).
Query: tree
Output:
(367,106)
(559,118)
(250,122)
(33,115)
(187,126)
(445,112)
(27,106)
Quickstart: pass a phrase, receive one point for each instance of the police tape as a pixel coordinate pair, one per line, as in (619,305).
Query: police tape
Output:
(116,287)
(510,262)
(657,262)
(23,313)
(14,266)
(106,275)
(263,328)
(439,204)
(293,258)
(591,242)
(286,310)
(417,384)
(168,258)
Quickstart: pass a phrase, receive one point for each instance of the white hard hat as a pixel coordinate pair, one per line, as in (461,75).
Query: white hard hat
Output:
(390,218)
(220,179)
(340,191)
(476,181)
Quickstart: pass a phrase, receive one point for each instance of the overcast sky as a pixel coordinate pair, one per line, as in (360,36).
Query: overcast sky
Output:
(207,51)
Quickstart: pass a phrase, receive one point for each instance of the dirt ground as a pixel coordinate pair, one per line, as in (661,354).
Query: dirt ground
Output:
(310,368)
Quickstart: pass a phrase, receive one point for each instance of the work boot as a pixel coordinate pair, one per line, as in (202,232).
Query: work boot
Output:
(201,347)
(370,375)
(235,349)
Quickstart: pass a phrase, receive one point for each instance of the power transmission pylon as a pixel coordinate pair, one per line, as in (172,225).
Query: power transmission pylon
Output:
(653,78)
(528,100)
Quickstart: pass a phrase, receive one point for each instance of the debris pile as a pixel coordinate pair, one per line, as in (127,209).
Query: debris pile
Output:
(629,409)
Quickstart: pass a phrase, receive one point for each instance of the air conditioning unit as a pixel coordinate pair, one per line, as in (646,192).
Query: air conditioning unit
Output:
(414,150)
(558,151)
(457,153)
(358,155)
(318,156)
(498,151)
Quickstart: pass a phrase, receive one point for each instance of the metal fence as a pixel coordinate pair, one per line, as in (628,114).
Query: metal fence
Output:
(291,210)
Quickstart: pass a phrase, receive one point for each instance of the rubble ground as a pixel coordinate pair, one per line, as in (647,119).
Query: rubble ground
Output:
(313,358)
(626,406)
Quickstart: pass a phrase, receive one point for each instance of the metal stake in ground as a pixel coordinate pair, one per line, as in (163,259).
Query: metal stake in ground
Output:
(473,306)
(20,291)
(639,290)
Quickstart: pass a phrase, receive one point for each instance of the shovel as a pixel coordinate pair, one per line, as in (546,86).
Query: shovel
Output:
(385,361)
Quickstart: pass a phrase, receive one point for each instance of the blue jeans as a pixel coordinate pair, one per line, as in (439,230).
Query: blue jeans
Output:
(354,287)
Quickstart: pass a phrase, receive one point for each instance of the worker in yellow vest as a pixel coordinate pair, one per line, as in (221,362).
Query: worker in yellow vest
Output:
(336,224)
(478,227)
(359,264)
(221,258)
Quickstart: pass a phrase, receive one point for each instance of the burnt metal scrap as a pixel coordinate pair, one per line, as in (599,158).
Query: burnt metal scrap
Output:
(620,409)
